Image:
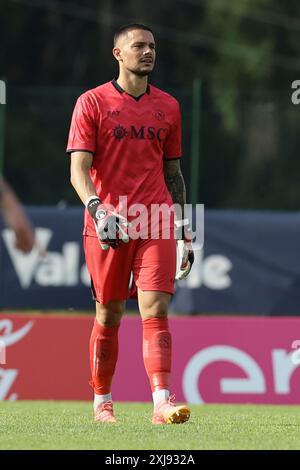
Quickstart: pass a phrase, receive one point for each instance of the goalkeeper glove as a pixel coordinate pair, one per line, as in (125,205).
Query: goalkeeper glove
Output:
(111,228)
(185,253)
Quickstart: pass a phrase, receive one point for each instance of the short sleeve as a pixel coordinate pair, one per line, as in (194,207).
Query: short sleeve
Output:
(172,147)
(83,130)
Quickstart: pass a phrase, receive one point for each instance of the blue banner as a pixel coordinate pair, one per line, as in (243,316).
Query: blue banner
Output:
(249,265)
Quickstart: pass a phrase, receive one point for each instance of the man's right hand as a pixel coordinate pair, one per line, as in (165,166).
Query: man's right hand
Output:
(111,228)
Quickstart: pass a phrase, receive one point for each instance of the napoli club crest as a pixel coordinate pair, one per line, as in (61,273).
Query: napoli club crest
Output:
(159,115)
(119,132)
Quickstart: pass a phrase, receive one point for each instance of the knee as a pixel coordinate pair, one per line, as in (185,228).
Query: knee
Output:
(156,309)
(109,314)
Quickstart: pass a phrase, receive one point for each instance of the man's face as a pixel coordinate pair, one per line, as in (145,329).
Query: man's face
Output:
(135,51)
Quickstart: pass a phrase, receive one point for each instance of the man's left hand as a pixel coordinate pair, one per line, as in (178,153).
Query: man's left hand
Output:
(186,259)
(185,252)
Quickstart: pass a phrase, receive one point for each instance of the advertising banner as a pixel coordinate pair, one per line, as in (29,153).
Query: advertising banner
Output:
(249,264)
(215,360)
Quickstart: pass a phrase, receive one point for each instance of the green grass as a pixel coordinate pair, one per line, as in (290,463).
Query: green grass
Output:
(69,425)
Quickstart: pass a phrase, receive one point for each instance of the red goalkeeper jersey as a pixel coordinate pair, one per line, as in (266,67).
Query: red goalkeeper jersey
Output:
(129,138)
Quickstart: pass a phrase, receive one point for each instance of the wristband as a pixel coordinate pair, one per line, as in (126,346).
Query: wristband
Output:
(91,198)
(92,205)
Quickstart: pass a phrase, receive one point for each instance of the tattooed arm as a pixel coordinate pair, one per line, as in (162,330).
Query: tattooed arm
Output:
(175,184)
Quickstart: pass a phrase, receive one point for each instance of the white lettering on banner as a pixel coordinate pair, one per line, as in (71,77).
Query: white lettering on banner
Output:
(57,270)
(8,337)
(2,352)
(254,383)
(63,269)
(51,269)
(211,272)
(71,256)
(283,367)
(7,378)
(295,95)
(295,356)
(26,264)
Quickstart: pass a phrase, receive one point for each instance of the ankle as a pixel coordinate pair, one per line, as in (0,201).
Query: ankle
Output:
(160,395)
(99,399)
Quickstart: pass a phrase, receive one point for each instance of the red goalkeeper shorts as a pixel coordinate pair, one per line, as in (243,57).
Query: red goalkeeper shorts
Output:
(152,263)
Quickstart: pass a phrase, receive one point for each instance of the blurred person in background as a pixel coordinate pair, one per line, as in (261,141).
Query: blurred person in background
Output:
(15,218)
(125,140)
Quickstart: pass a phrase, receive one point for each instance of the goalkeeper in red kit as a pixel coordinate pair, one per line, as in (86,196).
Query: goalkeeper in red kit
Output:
(125,145)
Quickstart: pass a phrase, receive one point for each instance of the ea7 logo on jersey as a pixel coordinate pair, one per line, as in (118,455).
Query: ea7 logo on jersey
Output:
(142,133)
(113,113)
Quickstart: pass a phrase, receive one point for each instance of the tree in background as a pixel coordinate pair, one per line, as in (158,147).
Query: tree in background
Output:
(244,51)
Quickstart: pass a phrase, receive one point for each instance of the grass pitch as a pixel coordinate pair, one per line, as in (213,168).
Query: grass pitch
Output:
(69,425)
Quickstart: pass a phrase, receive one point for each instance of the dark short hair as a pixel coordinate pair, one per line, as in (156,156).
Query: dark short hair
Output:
(130,27)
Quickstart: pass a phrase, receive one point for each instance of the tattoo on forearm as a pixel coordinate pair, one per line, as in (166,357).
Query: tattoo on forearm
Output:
(176,187)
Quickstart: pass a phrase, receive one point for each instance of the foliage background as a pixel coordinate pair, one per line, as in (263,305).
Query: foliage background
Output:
(245,52)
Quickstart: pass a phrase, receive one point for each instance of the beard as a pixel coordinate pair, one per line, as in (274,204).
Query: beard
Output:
(140,73)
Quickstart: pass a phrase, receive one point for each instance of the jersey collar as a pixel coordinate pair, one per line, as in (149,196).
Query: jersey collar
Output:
(120,90)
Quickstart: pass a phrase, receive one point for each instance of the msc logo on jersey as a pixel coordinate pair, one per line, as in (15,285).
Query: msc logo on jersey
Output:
(142,133)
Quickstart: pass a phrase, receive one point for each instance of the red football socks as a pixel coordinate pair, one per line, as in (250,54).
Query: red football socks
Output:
(157,351)
(103,356)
